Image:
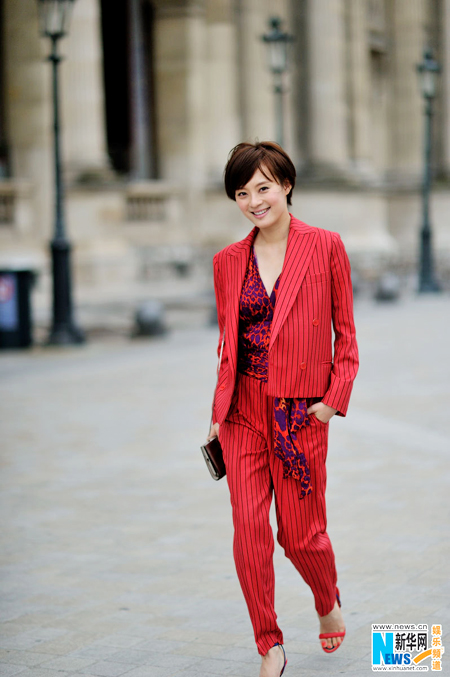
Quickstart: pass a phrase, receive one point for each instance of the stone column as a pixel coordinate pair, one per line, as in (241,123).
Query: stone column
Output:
(180,38)
(223,124)
(256,81)
(28,109)
(328,147)
(445,84)
(359,75)
(82,92)
(406,114)
(180,74)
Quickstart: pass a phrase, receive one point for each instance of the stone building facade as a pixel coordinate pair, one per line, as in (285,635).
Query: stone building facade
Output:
(156,93)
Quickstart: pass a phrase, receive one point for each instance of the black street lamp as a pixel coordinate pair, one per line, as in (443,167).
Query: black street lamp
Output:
(54,19)
(428,71)
(277,43)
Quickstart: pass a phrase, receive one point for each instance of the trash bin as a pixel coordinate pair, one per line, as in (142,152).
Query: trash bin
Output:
(15,307)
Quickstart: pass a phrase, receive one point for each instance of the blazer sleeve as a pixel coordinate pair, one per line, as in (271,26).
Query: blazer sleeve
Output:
(345,360)
(221,307)
(220,300)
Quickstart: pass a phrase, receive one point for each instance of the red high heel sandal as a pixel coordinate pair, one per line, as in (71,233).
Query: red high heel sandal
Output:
(330,635)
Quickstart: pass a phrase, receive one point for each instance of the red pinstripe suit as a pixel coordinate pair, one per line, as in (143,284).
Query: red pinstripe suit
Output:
(314,294)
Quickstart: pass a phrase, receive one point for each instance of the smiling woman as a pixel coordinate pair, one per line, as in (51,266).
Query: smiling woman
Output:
(268,157)
(279,388)
(260,178)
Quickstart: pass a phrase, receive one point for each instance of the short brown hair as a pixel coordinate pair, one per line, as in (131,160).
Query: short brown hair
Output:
(245,158)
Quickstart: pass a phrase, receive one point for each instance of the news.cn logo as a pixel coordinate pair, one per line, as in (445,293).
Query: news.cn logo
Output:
(403,647)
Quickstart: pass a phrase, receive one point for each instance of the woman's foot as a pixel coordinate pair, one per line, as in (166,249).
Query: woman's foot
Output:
(332,622)
(273,662)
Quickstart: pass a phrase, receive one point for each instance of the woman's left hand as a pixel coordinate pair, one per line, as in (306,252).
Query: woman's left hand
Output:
(321,411)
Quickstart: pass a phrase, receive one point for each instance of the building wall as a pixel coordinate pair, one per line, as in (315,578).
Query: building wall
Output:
(353,118)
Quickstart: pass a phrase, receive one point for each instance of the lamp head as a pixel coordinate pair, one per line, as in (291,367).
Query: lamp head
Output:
(428,71)
(54,17)
(277,43)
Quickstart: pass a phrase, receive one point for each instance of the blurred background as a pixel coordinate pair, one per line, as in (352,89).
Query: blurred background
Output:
(155,94)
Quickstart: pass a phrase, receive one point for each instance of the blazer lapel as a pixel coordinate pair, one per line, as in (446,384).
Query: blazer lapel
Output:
(237,265)
(300,247)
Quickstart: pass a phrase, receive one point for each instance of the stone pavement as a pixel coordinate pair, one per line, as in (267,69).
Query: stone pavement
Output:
(117,546)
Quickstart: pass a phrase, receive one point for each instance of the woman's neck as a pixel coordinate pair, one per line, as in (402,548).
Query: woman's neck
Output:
(276,234)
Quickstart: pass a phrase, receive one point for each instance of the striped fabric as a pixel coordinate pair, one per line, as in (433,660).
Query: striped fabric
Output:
(254,474)
(314,295)
(256,310)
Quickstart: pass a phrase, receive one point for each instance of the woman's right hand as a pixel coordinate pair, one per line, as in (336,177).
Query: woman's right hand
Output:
(214,432)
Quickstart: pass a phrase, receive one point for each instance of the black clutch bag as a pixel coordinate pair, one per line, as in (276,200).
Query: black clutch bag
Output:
(212,451)
(213,455)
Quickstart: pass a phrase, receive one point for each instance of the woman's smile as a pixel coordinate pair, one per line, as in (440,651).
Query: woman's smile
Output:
(261,212)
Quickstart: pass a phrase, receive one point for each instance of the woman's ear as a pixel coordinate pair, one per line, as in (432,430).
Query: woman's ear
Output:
(287,187)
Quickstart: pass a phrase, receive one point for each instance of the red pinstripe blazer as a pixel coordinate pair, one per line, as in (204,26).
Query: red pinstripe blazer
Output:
(314,294)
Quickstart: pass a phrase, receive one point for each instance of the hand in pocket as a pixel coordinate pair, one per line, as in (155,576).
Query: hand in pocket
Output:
(321,411)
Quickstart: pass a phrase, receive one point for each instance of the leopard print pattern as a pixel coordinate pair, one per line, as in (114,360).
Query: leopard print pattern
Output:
(291,415)
(255,320)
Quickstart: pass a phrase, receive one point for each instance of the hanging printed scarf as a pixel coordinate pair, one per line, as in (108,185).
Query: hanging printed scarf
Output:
(290,416)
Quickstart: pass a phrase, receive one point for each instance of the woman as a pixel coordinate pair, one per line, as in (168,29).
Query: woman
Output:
(278,293)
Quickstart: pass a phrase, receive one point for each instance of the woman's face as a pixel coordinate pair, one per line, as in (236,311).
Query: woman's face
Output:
(263,201)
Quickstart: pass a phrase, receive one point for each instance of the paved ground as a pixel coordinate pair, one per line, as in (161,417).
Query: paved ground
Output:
(117,546)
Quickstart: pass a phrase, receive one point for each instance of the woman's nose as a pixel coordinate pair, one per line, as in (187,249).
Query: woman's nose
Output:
(255,200)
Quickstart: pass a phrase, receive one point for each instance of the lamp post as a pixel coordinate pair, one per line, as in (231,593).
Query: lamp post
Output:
(54,19)
(277,43)
(428,70)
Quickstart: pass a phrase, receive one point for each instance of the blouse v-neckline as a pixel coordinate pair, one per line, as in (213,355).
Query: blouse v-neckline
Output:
(259,275)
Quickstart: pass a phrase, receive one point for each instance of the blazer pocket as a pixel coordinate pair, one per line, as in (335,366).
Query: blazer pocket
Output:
(319,421)
(315,278)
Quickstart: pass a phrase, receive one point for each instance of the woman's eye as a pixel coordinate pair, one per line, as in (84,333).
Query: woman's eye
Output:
(264,188)
(241,194)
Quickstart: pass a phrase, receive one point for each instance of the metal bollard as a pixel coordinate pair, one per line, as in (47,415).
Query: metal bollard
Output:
(149,319)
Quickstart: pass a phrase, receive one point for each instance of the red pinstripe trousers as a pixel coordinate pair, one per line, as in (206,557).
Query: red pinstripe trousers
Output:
(253,474)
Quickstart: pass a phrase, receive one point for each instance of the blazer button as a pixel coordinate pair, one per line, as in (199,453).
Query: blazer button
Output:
(222,388)
(315,322)
(303,365)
